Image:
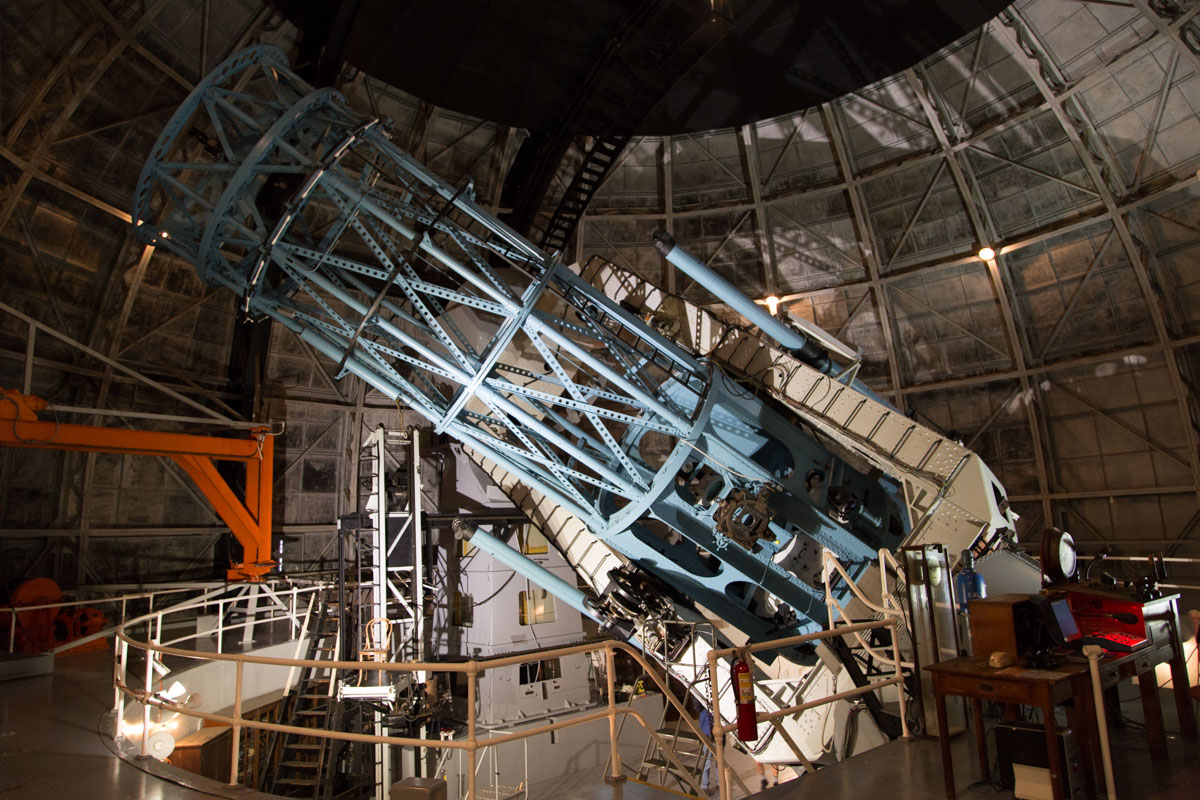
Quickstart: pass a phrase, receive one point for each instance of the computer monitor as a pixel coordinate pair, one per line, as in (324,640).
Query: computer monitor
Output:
(1056,619)
(1067,625)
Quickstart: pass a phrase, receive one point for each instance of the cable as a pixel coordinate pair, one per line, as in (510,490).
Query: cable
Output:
(994,782)
(727,468)
(16,418)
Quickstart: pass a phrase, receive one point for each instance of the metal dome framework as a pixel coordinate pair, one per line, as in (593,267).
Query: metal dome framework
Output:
(1065,135)
(866,215)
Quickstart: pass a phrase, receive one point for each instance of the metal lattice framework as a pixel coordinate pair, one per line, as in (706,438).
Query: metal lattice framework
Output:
(71,137)
(309,212)
(880,200)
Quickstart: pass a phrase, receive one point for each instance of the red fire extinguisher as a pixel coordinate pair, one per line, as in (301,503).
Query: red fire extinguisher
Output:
(747,716)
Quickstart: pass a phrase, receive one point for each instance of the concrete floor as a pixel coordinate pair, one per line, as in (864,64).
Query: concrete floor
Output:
(49,742)
(51,748)
(912,770)
(590,785)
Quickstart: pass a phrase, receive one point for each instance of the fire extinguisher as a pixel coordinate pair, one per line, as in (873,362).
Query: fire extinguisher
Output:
(747,716)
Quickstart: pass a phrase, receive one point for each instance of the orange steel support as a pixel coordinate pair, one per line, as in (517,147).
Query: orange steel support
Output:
(249,520)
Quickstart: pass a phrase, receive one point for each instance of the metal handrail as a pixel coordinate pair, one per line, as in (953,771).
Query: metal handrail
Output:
(124,600)
(471,668)
(720,728)
(472,744)
(830,560)
(155,650)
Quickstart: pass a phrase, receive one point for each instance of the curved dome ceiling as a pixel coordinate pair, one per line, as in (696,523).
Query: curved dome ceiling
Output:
(1064,134)
(533,64)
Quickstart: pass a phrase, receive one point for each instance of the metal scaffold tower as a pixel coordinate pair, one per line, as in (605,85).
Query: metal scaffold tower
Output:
(391,566)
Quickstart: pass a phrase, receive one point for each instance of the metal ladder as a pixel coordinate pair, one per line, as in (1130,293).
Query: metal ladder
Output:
(384,496)
(303,759)
(387,599)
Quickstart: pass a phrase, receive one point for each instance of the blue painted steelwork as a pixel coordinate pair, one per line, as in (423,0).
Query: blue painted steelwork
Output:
(727,293)
(308,211)
(528,568)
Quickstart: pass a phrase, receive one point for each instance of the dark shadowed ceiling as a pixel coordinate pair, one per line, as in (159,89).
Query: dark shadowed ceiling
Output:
(525,63)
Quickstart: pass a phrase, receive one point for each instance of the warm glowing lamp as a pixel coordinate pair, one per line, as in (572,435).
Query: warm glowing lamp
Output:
(986,253)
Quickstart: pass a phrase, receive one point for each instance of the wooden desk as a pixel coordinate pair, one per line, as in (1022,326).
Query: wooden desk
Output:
(971,677)
(1159,623)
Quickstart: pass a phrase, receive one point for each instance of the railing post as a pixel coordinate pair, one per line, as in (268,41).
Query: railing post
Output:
(495,772)
(12,629)
(237,726)
(472,677)
(124,674)
(896,623)
(718,728)
(220,623)
(883,583)
(616,775)
(149,686)
(251,615)
(116,672)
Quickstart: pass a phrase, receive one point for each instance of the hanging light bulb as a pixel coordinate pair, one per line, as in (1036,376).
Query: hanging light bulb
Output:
(772,304)
(986,253)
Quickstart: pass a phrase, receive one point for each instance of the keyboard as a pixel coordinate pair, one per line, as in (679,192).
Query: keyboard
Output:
(1115,641)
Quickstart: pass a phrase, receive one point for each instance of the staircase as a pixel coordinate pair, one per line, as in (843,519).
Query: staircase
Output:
(302,760)
(596,165)
(687,747)
(868,655)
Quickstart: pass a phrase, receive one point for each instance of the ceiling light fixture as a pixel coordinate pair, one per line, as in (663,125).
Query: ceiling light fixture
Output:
(986,253)
(772,304)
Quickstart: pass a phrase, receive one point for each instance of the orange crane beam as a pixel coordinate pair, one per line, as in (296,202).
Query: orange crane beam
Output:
(248,517)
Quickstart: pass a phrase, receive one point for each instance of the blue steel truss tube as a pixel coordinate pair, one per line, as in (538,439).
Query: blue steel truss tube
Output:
(308,211)
(528,568)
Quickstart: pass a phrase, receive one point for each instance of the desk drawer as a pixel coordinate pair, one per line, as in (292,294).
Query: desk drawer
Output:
(996,689)
(1149,658)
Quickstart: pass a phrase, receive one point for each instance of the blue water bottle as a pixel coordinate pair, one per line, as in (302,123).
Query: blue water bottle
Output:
(968,585)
